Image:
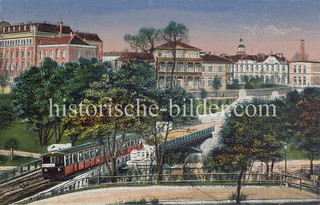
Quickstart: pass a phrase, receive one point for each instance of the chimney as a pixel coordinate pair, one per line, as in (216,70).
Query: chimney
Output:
(61,26)
(302,50)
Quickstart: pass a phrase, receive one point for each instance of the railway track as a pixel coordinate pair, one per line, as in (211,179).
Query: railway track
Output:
(23,187)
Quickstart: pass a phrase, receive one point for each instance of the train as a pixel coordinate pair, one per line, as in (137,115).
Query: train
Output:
(65,163)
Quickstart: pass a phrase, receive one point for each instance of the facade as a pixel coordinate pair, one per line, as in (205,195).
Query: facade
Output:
(26,45)
(304,73)
(93,40)
(213,66)
(111,57)
(187,73)
(272,68)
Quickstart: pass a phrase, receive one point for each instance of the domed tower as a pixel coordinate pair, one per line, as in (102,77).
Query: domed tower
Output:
(241,47)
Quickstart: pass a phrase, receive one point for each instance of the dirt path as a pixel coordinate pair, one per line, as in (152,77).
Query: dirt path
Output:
(20,153)
(187,193)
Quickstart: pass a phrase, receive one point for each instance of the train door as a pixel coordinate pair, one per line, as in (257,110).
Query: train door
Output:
(81,161)
(75,162)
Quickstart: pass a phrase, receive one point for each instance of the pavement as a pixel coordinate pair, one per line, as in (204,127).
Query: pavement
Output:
(184,195)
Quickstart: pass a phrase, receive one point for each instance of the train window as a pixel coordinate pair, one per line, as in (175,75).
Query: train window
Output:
(97,152)
(46,160)
(80,156)
(86,155)
(59,161)
(70,158)
(67,160)
(91,154)
(75,158)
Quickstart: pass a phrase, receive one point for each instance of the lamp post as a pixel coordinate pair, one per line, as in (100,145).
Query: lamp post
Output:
(285,145)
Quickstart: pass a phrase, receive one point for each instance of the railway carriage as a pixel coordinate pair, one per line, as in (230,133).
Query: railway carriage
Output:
(60,164)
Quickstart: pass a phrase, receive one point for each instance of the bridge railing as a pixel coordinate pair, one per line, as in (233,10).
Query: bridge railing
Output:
(20,171)
(189,136)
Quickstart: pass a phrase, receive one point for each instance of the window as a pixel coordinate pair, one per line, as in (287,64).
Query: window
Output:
(180,67)
(17,54)
(304,81)
(41,54)
(203,82)
(203,69)
(12,66)
(11,79)
(168,53)
(160,53)
(57,53)
(299,80)
(304,69)
(29,65)
(179,54)
(7,55)
(46,54)
(210,69)
(22,54)
(17,66)
(295,69)
(51,53)
(162,67)
(299,69)
(220,68)
(170,67)
(88,54)
(12,54)
(22,67)
(29,54)
(63,54)
(189,67)
(187,54)
(7,66)
(198,67)
(210,82)
(195,54)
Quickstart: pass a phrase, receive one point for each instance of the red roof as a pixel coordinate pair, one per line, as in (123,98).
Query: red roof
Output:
(215,58)
(89,36)
(179,43)
(134,55)
(74,39)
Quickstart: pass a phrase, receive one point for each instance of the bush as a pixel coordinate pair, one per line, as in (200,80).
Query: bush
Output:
(234,196)
(203,94)
(154,201)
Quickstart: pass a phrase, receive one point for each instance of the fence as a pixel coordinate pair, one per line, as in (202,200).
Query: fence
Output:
(20,171)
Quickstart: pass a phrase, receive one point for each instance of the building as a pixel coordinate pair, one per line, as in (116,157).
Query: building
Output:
(212,66)
(93,40)
(304,73)
(26,45)
(272,68)
(111,57)
(187,73)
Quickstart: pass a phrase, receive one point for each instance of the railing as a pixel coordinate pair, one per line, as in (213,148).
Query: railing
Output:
(20,171)
(188,137)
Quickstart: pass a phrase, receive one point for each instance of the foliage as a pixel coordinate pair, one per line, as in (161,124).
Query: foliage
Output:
(12,143)
(173,158)
(216,84)
(234,85)
(64,85)
(257,83)
(145,40)
(203,94)
(7,116)
(233,196)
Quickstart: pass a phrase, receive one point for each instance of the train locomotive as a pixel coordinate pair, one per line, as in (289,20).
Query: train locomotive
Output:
(64,163)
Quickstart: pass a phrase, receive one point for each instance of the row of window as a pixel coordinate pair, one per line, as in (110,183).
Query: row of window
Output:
(88,54)
(299,69)
(211,70)
(16,54)
(180,67)
(17,42)
(52,54)
(259,69)
(179,54)
(17,66)
(20,28)
(299,80)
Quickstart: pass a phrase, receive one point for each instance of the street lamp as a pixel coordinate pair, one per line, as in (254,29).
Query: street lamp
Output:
(285,145)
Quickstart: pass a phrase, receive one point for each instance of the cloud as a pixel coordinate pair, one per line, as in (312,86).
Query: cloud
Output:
(267,29)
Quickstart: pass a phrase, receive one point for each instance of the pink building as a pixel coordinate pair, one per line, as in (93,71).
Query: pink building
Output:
(26,45)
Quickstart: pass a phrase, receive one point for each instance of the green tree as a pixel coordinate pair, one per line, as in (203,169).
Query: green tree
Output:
(145,40)
(216,84)
(7,116)
(173,34)
(244,138)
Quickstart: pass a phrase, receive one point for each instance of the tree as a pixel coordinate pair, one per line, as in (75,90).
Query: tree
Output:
(173,34)
(216,84)
(7,116)
(243,139)
(64,85)
(308,128)
(11,144)
(3,81)
(145,40)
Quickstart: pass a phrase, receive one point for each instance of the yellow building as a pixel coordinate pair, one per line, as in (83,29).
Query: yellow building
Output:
(213,66)
(187,72)
(304,73)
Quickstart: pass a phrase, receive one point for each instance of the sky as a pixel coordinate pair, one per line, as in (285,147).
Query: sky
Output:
(214,25)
